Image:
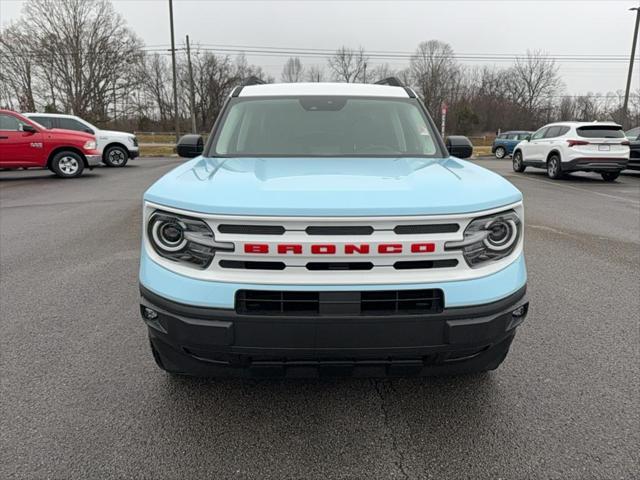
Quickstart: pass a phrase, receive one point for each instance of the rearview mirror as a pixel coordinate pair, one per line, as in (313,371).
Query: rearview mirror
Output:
(29,129)
(190,146)
(459,146)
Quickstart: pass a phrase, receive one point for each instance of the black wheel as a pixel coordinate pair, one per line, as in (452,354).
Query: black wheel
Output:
(67,164)
(609,176)
(518,162)
(554,167)
(115,156)
(500,153)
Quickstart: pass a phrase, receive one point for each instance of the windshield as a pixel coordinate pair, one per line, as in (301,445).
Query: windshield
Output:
(324,126)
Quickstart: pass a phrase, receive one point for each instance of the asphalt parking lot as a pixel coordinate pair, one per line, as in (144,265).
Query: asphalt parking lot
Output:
(82,398)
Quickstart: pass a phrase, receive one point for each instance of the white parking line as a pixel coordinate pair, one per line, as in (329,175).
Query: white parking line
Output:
(563,186)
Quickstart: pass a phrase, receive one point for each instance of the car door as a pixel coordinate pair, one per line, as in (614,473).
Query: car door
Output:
(532,150)
(551,140)
(18,148)
(511,142)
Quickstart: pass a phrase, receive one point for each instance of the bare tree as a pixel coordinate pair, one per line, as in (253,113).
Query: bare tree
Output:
(86,47)
(315,73)
(157,81)
(348,65)
(292,71)
(532,80)
(434,71)
(17,67)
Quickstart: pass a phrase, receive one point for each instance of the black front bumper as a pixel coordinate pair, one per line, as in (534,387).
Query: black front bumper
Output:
(219,342)
(595,164)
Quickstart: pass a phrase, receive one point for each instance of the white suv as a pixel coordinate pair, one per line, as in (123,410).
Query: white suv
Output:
(116,147)
(575,146)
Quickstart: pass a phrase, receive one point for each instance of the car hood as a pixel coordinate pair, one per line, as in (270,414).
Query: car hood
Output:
(72,133)
(332,187)
(112,133)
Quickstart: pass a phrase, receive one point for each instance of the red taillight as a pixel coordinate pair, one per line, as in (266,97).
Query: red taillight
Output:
(573,143)
(626,143)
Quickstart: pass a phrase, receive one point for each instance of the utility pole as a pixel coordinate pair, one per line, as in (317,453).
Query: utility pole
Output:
(175,77)
(193,94)
(625,110)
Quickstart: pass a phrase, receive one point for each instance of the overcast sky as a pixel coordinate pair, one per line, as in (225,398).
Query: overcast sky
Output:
(559,27)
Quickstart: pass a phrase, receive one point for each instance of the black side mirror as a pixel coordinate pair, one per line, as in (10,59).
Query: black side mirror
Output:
(190,146)
(459,146)
(528,138)
(88,130)
(29,129)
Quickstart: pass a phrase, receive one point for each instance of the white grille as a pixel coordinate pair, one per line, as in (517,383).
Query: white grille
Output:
(351,263)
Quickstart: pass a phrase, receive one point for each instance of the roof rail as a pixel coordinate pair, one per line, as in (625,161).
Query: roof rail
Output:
(253,80)
(391,81)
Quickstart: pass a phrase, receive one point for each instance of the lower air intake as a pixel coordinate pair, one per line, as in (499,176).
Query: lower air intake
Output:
(366,303)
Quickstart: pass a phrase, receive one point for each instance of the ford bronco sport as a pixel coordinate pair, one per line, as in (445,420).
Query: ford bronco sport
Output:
(327,229)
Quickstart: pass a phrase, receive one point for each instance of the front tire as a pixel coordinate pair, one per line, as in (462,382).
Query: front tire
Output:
(518,162)
(500,153)
(554,167)
(610,176)
(67,164)
(115,157)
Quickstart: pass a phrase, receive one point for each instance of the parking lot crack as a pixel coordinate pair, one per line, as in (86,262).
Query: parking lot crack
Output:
(399,458)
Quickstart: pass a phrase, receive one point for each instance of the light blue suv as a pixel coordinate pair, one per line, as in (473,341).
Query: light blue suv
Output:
(504,143)
(326,229)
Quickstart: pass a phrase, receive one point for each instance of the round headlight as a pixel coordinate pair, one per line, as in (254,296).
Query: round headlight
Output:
(168,235)
(502,234)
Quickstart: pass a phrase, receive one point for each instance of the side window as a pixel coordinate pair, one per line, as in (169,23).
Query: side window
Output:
(553,132)
(539,134)
(523,136)
(563,131)
(71,124)
(513,136)
(502,136)
(46,122)
(9,122)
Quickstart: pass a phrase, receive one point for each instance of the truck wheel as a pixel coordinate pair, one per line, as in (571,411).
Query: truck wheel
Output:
(518,163)
(115,157)
(67,164)
(554,167)
(500,153)
(610,176)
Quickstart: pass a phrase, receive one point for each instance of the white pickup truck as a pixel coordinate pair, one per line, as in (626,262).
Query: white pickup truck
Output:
(116,147)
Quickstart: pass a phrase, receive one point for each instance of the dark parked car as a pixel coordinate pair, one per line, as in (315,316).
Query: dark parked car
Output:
(504,143)
(634,142)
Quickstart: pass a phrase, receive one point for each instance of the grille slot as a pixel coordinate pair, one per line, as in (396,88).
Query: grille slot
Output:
(240,264)
(339,266)
(421,229)
(424,264)
(340,230)
(252,229)
(372,303)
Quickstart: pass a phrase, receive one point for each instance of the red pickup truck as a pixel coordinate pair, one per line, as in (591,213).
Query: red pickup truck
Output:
(26,144)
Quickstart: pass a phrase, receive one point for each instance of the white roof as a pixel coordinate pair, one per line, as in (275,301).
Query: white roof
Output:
(582,124)
(319,88)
